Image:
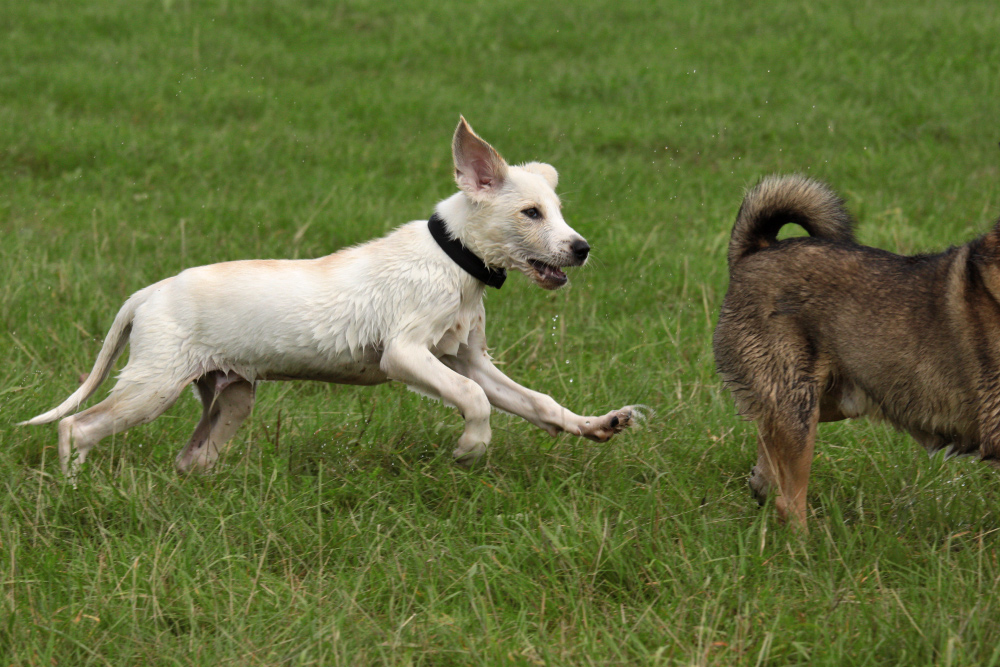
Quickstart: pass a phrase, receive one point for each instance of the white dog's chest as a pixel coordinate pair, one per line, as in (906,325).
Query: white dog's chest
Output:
(458,333)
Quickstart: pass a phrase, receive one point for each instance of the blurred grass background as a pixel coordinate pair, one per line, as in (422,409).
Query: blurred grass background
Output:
(139,138)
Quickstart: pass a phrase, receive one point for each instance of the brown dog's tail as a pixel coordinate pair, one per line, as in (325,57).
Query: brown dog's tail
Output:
(113,346)
(779,200)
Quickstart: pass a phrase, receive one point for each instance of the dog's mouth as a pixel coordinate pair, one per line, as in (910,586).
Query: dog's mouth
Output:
(547,276)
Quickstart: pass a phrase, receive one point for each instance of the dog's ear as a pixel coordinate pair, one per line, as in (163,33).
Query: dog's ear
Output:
(546,171)
(479,169)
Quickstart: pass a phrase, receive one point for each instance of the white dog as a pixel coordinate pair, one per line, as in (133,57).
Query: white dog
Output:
(406,307)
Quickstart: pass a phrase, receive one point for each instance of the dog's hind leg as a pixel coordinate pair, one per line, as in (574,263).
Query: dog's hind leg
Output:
(226,400)
(785,444)
(130,404)
(763,475)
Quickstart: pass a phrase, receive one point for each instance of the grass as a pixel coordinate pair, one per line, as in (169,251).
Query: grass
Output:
(139,138)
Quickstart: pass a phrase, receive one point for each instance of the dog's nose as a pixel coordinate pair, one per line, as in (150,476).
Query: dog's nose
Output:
(580,250)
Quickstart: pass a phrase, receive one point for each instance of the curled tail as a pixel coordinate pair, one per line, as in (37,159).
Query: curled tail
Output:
(113,346)
(780,200)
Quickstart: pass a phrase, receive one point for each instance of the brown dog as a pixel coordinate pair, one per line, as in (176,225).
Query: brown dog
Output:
(820,328)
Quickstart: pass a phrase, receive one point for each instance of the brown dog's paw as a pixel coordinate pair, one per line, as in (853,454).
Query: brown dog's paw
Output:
(601,429)
(759,485)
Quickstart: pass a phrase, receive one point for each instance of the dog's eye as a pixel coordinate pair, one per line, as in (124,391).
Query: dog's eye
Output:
(532,213)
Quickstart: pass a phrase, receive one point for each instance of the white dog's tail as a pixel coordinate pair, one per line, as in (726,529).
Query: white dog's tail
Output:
(113,346)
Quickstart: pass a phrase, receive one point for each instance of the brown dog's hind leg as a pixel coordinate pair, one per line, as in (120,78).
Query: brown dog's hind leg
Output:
(227,400)
(761,476)
(785,446)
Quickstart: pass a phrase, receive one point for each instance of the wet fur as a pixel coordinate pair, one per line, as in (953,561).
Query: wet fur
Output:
(821,328)
(396,308)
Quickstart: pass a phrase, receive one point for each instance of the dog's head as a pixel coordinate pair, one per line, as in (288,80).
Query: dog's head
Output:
(513,217)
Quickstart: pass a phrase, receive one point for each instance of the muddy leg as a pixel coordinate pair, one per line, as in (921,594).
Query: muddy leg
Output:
(761,478)
(784,461)
(227,401)
(205,387)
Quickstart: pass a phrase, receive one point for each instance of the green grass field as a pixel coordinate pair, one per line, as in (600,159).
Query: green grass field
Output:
(140,138)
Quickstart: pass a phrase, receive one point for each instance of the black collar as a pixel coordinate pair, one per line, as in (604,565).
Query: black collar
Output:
(464,257)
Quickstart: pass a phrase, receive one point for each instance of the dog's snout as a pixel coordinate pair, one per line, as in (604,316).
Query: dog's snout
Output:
(580,250)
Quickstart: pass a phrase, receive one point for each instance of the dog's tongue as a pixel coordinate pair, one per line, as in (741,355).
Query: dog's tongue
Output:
(552,274)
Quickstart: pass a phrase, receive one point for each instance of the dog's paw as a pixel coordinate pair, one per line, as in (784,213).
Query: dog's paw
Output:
(466,457)
(600,429)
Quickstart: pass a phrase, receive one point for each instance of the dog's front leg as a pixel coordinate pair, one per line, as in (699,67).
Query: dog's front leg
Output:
(421,370)
(541,410)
